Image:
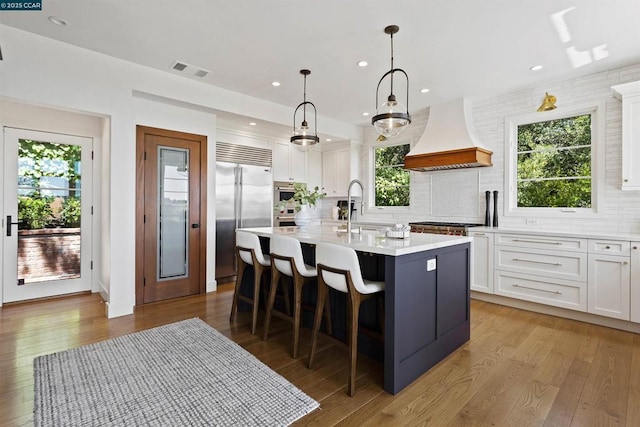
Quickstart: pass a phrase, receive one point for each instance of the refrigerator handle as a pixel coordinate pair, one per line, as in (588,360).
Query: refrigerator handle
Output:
(239,196)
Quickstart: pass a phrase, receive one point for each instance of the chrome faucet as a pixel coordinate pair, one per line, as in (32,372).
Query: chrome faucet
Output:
(353,181)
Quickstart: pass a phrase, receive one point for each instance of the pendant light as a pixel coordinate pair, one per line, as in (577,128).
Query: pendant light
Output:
(304,138)
(391,117)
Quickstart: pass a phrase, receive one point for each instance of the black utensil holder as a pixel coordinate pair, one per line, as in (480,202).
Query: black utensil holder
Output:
(495,208)
(487,215)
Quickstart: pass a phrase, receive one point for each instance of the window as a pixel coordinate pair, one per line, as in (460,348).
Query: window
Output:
(554,163)
(391,180)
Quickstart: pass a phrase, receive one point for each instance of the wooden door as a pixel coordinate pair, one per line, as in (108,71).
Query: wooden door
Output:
(171,214)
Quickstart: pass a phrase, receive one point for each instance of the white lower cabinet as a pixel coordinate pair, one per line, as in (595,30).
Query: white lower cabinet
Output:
(543,290)
(542,269)
(593,275)
(635,283)
(609,286)
(482,262)
(609,278)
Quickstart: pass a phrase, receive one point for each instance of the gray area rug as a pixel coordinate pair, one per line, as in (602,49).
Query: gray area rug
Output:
(182,374)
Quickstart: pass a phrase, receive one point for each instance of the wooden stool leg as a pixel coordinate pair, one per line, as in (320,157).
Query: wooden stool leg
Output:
(353,341)
(287,300)
(322,294)
(327,315)
(275,281)
(256,294)
(236,291)
(298,283)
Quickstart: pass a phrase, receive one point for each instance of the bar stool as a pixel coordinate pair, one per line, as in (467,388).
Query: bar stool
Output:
(338,267)
(249,253)
(287,260)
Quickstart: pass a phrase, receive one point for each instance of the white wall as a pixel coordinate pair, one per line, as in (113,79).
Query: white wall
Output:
(621,209)
(40,71)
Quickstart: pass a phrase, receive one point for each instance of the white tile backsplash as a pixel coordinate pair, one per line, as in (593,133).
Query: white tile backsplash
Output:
(621,210)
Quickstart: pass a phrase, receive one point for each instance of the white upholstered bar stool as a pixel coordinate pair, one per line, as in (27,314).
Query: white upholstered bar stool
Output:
(287,260)
(338,267)
(249,253)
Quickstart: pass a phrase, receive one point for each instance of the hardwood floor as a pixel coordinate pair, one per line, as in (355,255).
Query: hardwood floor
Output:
(518,369)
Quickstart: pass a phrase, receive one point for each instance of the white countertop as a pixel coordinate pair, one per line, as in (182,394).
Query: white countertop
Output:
(577,234)
(367,240)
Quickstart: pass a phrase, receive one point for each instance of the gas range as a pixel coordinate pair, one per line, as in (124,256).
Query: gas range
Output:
(450,228)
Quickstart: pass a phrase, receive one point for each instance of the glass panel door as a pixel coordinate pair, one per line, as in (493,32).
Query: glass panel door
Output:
(47,218)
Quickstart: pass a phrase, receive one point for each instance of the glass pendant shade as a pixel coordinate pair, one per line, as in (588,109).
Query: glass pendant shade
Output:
(303,137)
(392,117)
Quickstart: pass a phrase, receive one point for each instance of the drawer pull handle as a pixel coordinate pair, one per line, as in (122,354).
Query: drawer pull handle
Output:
(536,289)
(537,262)
(536,241)
(479,234)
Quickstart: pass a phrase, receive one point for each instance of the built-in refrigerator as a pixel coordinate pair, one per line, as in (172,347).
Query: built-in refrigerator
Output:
(244,198)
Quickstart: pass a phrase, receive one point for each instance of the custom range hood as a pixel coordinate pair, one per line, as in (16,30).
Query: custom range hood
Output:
(449,141)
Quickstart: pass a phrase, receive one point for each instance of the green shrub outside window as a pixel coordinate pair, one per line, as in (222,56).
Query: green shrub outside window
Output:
(391,180)
(554,163)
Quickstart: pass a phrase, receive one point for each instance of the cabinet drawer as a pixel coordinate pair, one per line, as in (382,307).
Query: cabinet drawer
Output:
(542,242)
(549,291)
(562,265)
(609,247)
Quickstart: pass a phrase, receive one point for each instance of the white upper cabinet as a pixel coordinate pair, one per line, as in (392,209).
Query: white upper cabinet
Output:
(629,93)
(335,172)
(314,169)
(288,163)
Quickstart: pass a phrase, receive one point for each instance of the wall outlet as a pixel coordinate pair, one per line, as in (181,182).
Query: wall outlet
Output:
(431,264)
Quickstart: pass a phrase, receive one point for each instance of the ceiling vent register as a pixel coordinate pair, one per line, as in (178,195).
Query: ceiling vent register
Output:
(189,69)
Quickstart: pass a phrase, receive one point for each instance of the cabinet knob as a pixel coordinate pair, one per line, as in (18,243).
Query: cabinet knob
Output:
(626,180)
(607,247)
(635,247)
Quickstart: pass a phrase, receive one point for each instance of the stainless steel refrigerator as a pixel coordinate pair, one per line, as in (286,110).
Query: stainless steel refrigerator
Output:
(244,198)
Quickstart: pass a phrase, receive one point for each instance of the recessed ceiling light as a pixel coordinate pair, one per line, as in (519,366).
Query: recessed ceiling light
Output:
(424,90)
(328,139)
(276,84)
(365,114)
(57,21)
(535,67)
(252,123)
(362,63)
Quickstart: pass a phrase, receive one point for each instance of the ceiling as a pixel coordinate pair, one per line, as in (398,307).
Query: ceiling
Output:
(455,48)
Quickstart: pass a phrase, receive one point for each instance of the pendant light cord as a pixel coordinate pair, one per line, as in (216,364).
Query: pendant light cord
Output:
(391,64)
(304,99)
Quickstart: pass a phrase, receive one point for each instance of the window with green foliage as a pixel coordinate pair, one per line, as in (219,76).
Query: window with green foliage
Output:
(391,179)
(554,163)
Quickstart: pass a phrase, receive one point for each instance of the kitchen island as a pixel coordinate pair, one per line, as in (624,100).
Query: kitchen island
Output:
(426,298)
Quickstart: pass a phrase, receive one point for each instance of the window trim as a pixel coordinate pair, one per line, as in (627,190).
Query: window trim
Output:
(597,112)
(371,206)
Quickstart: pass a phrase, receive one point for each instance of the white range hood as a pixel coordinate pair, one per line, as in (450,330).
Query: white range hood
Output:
(449,140)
